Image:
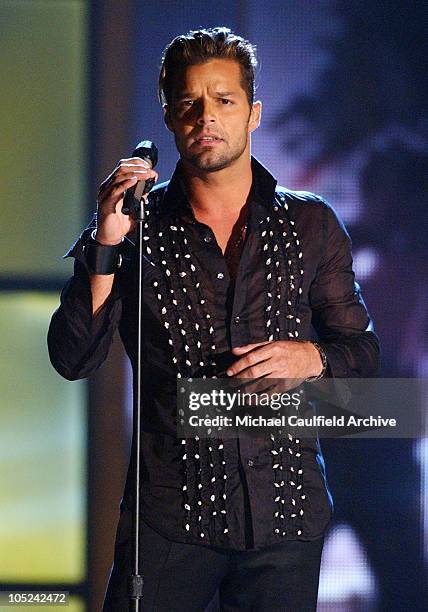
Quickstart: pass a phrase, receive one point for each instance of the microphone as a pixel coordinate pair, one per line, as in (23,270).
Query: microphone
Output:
(147,151)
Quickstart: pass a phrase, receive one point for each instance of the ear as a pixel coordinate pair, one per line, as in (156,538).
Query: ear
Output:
(255,116)
(167,117)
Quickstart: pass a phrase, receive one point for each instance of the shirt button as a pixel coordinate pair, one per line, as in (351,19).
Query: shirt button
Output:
(250,462)
(237,320)
(207,239)
(220,275)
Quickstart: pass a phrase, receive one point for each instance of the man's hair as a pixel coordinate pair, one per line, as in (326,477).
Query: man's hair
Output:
(199,46)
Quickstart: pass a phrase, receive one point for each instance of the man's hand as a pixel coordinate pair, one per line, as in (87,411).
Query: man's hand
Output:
(278,359)
(112,225)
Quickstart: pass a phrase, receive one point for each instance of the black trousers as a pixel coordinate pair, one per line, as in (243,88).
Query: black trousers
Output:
(187,578)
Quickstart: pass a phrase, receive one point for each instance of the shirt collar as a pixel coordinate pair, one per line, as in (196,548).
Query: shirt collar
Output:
(262,190)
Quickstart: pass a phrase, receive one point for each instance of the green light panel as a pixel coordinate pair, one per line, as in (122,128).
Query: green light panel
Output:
(43,108)
(42,451)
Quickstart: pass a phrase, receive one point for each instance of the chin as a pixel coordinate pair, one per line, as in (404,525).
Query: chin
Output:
(212,164)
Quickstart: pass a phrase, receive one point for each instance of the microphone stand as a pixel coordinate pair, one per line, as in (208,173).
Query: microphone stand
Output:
(133,205)
(135,580)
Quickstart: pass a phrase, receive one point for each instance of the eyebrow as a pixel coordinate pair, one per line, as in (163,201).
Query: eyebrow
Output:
(188,94)
(226,93)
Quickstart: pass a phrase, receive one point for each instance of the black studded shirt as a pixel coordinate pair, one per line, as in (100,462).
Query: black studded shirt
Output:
(294,280)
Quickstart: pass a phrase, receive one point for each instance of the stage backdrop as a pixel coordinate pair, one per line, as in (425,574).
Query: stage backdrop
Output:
(343,88)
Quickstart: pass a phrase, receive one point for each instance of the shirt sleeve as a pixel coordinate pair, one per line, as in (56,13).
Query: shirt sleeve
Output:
(339,314)
(78,342)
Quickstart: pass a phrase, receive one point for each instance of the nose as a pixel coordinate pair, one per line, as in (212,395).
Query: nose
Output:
(206,112)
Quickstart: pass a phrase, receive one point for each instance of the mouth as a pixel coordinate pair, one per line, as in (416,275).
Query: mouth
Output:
(207,141)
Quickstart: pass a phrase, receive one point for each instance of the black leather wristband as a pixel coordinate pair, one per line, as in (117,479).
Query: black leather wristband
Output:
(102,258)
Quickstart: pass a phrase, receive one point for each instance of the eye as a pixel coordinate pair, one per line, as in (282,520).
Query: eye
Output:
(225,101)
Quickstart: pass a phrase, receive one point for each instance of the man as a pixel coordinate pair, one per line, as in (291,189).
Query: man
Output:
(236,270)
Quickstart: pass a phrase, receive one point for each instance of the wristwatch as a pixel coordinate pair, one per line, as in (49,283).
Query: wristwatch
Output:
(102,258)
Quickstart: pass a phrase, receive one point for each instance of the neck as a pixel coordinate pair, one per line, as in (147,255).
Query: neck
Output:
(219,194)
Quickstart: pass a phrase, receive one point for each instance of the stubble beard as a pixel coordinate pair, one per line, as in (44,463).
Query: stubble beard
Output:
(213,161)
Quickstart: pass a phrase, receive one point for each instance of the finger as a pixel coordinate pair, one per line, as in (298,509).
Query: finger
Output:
(117,177)
(119,183)
(128,165)
(239,350)
(107,190)
(143,174)
(122,168)
(262,352)
(138,161)
(116,192)
(259,370)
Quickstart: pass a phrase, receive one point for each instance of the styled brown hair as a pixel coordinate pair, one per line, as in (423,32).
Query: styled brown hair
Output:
(199,46)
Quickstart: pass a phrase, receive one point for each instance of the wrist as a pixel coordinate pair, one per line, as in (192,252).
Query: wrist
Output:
(320,362)
(102,259)
(100,239)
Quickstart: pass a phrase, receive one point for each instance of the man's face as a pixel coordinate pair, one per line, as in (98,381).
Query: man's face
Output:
(210,115)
